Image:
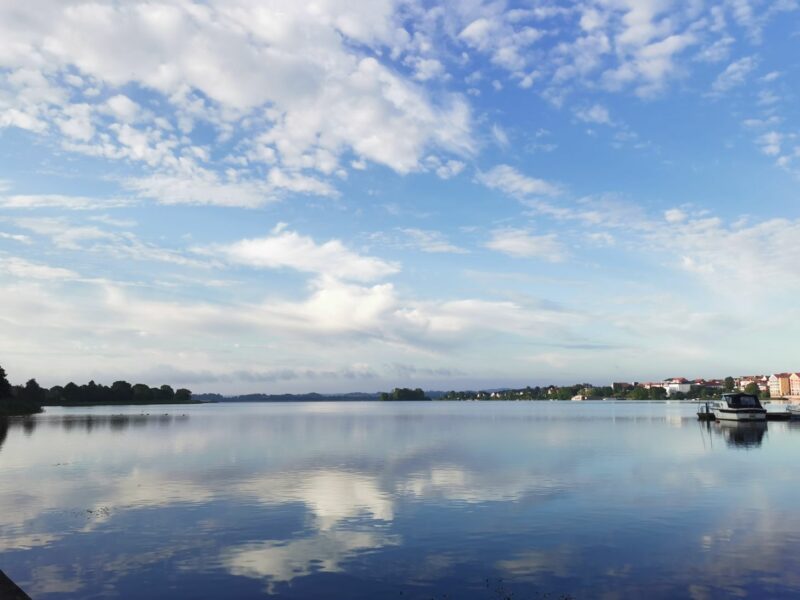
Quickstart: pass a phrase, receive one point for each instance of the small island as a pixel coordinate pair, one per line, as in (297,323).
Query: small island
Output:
(19,400)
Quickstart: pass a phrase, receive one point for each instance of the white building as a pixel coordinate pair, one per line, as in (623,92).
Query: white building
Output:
(677,384)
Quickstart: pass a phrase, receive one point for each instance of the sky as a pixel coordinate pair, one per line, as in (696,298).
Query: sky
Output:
(286,196)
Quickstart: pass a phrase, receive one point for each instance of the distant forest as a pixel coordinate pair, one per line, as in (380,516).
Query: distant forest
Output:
(29,398)
(396,394)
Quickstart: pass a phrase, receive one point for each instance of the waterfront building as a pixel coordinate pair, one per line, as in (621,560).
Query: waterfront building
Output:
(779,385)
(677,384)
(762,381)
(794,384)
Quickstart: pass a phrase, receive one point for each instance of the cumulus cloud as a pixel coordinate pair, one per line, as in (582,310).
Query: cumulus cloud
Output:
(297,86)
(597,113)
(287,249)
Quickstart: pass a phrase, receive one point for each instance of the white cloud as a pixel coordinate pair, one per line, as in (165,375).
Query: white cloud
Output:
(65,235)
(597,113)
(444,169)
(298,86)
(62,233)
(77,122)
(770,143)
(202,187)
(675,215)
(23,239)
(717,51)
(520,243)
(505,38)
(59,201)
(510,181)
(123,108)
(734,75)
(746,256)
(426,69)
(24,269)
(287,249)
(500,136)
(431,241)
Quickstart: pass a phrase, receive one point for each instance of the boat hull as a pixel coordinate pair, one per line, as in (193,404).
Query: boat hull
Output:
(740,414)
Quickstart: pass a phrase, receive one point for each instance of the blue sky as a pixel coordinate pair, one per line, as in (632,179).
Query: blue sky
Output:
(290,196)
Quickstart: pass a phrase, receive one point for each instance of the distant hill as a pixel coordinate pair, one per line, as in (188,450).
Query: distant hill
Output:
(312,397)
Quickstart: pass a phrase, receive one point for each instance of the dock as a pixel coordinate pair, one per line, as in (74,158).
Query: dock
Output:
(778,416)
(705,413)
(10,590)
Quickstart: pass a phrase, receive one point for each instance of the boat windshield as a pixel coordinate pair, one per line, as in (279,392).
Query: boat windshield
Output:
(743,401)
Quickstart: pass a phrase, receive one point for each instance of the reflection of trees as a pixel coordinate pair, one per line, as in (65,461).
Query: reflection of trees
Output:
(742,435)
(87,423)
(6,423)
(115,422)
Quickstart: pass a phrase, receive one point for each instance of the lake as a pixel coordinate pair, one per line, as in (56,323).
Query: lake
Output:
(473,500)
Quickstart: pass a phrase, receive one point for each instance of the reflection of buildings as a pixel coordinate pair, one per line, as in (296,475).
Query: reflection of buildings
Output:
(742,435)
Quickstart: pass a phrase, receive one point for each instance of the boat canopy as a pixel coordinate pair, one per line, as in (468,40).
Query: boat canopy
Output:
(741,400)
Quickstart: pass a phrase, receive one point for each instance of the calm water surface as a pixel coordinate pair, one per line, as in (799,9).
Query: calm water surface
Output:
(412,500)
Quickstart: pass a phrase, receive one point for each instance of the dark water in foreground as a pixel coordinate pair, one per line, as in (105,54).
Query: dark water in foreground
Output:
(406,501)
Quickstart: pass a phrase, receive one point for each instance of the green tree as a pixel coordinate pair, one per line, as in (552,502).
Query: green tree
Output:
(71,394)
(729,383)
(639,393)
(55,395)
(658,393)
(19,400)
(5,386)
(33,393)
(122,392)
(565,393)
(142,394)
(404,394)
(165,394)
(751,388)
(183,395)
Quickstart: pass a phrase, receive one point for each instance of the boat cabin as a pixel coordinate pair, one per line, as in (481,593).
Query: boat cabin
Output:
(738,400)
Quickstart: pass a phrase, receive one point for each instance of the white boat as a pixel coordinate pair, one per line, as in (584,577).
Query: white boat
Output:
(739,407)
(793,410)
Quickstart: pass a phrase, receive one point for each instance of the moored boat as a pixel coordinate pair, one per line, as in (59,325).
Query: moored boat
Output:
(739,407)
(704,413)
(793,410)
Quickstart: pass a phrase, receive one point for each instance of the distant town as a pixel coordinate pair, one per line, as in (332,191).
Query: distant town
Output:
(777,385)
(31,397)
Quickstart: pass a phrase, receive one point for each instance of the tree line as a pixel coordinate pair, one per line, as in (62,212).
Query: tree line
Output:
(620,391)
(403,394)
(29,398)
(17,399)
